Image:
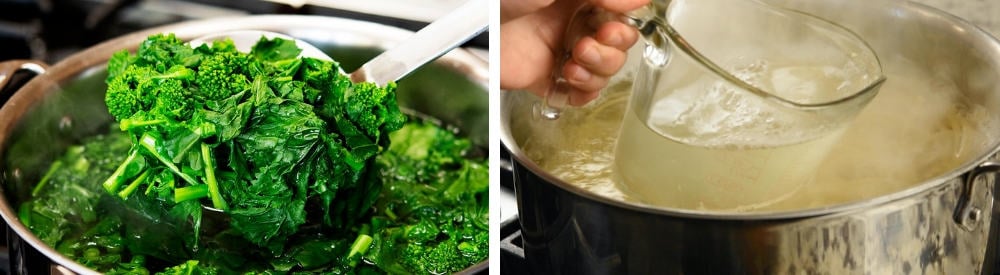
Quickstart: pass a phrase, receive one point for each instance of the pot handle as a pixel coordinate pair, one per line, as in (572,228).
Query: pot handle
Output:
(9,69)
(968,214)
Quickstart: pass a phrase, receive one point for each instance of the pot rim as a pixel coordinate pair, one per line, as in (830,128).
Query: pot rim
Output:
(93,57)
(928,185)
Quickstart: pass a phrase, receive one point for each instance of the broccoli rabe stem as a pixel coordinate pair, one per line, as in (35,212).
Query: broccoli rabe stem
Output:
(190,193)
(149,142)
(24,214)
(391,215)
(359,248)
(45,179)
(129,123)
(177,72)
(118,177)
(134,185)
(213,185)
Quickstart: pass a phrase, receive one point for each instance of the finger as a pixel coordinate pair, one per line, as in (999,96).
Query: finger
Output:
(598,59)
(620,5)
(518,45)
(617,35)
(582,79)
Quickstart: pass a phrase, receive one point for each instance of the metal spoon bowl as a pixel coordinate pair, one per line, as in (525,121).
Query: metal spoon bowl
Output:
(245,39)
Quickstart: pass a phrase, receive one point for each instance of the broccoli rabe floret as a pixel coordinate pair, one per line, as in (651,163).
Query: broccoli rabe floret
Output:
(367,106)
(222,75)
(445,240)
(433,215)
(142,89)
(190,267)
(443,257)
(172,100)
(121,97)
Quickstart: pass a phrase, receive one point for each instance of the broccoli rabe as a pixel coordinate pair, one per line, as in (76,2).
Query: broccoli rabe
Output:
(190,267)
(296,162)
(143,89)
(255,134)
(71,188)
(433,216)
(223,74)
(413,228)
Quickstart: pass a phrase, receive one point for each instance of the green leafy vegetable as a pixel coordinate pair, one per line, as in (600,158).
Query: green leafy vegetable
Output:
(225,162)
(186,108)
(440,225)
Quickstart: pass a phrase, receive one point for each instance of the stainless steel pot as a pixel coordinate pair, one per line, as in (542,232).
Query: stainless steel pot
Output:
(65,103)
(946,225)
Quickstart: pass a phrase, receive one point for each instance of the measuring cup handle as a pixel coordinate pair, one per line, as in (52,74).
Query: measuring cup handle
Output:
(585,21)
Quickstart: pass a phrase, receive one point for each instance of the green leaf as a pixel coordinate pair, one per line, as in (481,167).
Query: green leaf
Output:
(275,49)
(118,62)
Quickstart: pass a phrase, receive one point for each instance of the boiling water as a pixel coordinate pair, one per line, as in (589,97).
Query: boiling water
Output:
(662,171)
(918,126)
(707,137)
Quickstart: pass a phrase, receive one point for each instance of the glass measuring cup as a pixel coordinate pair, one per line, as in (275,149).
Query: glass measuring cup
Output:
(736,103)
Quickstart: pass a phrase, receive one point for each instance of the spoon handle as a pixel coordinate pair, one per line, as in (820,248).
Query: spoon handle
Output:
(429,43)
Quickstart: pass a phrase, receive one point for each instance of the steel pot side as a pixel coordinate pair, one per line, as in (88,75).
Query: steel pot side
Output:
(462,69)
(941,225)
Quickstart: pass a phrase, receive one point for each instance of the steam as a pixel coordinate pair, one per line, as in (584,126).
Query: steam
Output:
(919,126)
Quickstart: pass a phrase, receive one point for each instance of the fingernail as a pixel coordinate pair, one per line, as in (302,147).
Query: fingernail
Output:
(590,56)
(579,74)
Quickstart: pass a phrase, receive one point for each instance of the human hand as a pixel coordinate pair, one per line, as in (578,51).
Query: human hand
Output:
(531,37)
